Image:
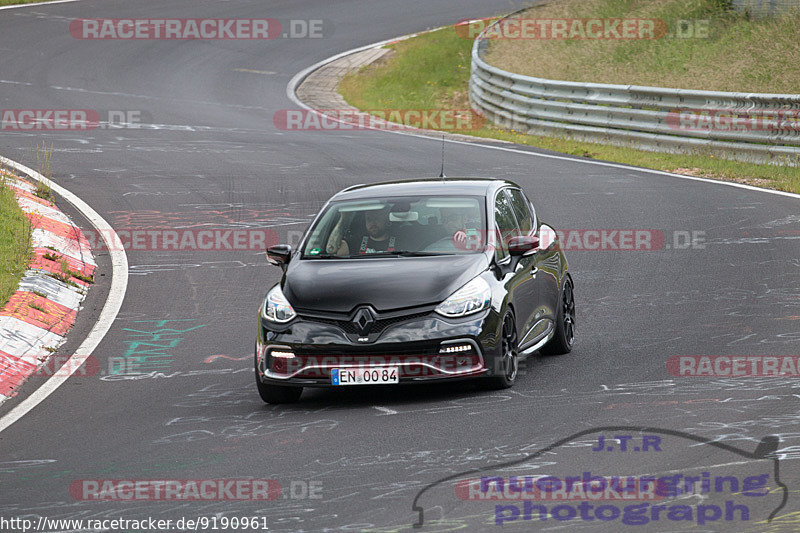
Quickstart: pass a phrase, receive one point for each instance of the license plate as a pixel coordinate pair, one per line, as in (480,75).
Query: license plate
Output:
(365,376)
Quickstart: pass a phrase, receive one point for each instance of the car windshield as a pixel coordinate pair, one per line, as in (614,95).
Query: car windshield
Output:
(398,226)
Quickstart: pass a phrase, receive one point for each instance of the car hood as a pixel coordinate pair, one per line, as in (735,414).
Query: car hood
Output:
(341,285)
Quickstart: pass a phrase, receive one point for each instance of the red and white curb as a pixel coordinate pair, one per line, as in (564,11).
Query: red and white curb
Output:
(38,315)
(19,6)
(111,307)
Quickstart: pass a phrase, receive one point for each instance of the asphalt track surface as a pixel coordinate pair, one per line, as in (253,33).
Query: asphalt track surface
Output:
(217,161)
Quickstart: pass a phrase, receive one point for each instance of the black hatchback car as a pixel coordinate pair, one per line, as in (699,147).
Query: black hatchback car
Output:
(414,281)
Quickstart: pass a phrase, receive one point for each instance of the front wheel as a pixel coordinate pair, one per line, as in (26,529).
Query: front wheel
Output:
(277,393)
(509,362)
(564,337)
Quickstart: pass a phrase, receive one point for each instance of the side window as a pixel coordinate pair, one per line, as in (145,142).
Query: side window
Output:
(522,210)
(506,225)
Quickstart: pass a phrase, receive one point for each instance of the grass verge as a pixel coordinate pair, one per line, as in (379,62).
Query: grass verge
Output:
(43,155)
(431,71)
(14,2)
(699,44)
(15,239)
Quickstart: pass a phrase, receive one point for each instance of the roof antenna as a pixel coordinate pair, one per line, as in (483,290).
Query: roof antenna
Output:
(441,174)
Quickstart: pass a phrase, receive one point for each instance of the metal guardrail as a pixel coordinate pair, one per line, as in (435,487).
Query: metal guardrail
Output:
(753,127)
(766,8)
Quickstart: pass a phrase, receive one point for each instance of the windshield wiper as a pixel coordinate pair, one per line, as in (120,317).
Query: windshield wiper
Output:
(325,256)
(408,253)
(382,253)
(398,253)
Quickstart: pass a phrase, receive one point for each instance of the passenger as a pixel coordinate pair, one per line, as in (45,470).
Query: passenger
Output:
(454,222)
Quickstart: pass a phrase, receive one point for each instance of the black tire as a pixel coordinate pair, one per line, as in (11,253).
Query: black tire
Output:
(508,367)
(277,393)
(564,337)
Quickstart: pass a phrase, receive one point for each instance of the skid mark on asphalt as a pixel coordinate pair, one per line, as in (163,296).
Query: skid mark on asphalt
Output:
(137,376)
(244,429)
(205,219)
(212,358)
(144,270)
(199,103)
(251,71)
(150,344)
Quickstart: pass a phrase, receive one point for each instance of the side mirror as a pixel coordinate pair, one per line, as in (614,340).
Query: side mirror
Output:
(279,255)
(522,244)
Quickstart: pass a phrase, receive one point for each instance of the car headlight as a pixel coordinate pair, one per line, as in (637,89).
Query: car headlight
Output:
(276,307)
(473,297)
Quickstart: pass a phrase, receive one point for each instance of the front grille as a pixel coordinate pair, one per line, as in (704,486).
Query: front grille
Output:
(380,324)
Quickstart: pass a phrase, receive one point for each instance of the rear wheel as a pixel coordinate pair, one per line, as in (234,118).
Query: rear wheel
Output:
(277,393)
(509,361)
(564,337)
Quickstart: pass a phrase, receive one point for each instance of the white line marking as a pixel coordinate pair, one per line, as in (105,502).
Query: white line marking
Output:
(116,294)
(298,78)
(39,4)
(708,467)
(385,410)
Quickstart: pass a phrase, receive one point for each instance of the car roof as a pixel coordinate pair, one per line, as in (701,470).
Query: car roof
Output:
(425,186)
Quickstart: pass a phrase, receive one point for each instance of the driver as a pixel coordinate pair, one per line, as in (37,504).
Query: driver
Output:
(377,238)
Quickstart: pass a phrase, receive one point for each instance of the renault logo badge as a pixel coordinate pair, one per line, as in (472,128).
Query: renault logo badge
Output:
(363,321)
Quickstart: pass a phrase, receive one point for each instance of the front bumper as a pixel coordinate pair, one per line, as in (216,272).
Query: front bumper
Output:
(422,346)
